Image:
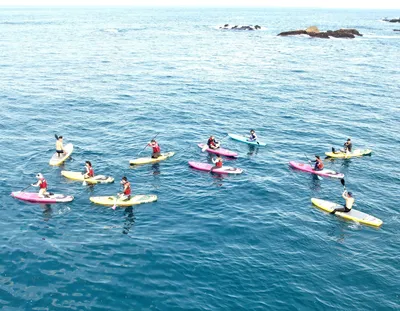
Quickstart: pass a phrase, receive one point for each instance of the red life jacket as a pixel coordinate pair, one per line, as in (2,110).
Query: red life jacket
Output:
(91,172)
(218,164)
(320,165)
(156,148)
(211,142)
(127,190)
(43,184)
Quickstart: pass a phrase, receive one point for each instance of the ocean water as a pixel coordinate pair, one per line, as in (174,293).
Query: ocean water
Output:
(110,79)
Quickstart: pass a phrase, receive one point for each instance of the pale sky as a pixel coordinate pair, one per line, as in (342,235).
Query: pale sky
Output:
(367,4)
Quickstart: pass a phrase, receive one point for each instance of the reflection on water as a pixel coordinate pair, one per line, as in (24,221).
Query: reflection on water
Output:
(47,211)
(129,220)
(156,169)
(315,182)
(253,150)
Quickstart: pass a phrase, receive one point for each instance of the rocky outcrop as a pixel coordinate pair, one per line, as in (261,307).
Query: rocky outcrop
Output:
(393,20)
(314,32)
(293,33)
(236,27)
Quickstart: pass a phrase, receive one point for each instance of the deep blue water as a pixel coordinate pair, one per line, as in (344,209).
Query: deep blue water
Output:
(110,79)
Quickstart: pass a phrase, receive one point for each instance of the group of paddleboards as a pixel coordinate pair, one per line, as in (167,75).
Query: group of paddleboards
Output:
(125,199)
(214,147)
(346,210)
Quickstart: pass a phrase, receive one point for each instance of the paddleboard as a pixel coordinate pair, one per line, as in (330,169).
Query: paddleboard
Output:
(135,200)
(34,197)
(58,160)
(309,169)
(148,160)
(97,179)
(355,153)
(207,167)
(354,215)
(245,139)
(220,151)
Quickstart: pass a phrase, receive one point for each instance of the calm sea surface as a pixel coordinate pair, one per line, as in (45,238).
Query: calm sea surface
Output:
(110,79)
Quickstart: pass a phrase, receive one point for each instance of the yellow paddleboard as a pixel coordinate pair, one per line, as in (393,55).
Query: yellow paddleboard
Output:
(148,160)
(135,199)
(58,160)
(98,179)
(343,155)
(354,215)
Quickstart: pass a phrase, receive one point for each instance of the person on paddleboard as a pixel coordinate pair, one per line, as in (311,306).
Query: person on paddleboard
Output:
(89,170)
(156,149)
(253,136)
(42,184)
(347,146)
(212,143)
(319,165)
(126,192)
(348,197)
(217,161)
(59,146)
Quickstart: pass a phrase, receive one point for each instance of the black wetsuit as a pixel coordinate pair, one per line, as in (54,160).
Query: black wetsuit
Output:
(348,146)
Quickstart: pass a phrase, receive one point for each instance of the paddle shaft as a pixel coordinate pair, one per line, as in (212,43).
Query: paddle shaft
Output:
(147,144)
(307,157)
(26,188)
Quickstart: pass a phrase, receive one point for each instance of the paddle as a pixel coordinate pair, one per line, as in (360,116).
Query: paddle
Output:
(56,136)
(147,145)
(25,188)
(115,203)
(343,184)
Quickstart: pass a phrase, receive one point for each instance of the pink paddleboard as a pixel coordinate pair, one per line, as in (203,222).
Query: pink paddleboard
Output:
(220,151)
(34,197)
(307,168)
(207,167)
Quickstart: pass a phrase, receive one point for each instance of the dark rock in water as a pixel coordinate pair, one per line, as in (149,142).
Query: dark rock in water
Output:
(323,35)
(236,27)
(350,30)
(314,32)
(293,33)
(393,20)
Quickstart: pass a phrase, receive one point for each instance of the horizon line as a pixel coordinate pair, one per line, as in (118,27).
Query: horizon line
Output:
(188,6)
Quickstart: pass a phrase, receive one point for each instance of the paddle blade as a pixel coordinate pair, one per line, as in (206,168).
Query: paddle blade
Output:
(84,183)
(343,182)
(115,203)
(204,148)
(55,135)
